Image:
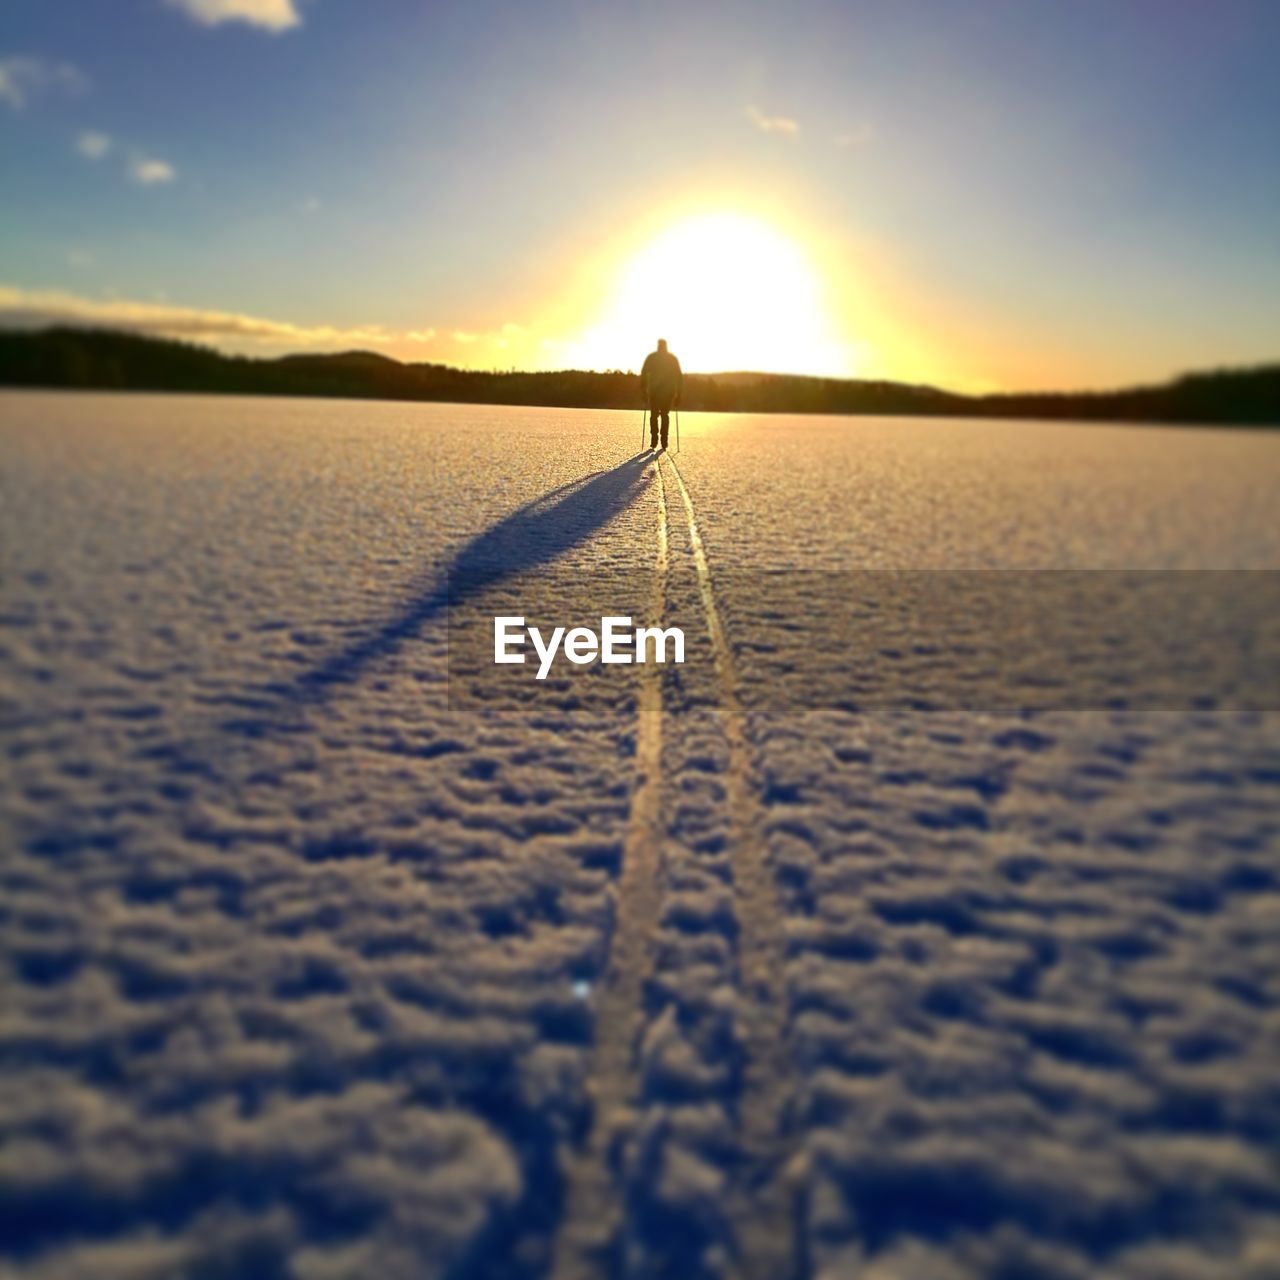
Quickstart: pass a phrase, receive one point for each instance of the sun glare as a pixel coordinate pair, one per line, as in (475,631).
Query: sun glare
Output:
(730,293)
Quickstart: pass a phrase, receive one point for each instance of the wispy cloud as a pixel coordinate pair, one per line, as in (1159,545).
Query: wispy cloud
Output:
(149,172)
(23,79)
(24,308)
(255,335)
(858,136)
(773,124)
(93,146)
(499,339)
(270,15)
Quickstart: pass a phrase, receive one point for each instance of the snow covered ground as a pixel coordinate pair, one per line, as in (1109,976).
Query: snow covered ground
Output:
(315,965)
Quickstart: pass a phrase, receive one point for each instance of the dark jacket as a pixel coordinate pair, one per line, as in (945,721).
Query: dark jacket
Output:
(662,378)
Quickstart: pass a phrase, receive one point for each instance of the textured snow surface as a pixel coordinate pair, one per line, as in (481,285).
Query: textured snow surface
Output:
(303,962)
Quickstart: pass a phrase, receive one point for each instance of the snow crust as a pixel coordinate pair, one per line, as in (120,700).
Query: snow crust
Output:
(301,955)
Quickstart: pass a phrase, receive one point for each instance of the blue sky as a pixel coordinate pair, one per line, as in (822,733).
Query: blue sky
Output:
(1002,192)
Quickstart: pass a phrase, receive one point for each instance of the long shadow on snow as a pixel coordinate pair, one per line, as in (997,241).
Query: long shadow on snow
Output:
(534,535)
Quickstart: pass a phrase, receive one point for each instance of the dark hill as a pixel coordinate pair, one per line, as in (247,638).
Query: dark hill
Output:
(111,360)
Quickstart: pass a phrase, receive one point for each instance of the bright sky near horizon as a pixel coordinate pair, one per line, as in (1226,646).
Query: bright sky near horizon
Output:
(1000,193)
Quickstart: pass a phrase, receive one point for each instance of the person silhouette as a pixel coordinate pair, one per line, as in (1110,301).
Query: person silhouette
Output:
(663,380)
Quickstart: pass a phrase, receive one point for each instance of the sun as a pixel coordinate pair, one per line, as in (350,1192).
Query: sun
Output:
(729,292)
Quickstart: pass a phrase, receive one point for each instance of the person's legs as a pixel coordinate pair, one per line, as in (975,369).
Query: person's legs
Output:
(653,428)
(666,423)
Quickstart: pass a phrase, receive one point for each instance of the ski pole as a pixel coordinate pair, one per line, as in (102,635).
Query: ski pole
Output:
(644,413)
(677,430)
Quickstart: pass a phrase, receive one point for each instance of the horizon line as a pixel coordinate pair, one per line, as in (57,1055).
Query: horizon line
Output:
(160,338)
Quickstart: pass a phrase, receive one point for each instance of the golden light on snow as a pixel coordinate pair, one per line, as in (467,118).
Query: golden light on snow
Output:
(730,292)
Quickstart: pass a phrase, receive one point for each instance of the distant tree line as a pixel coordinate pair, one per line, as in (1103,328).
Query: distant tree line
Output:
(98,359)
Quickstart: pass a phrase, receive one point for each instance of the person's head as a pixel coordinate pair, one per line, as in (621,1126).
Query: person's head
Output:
(662,344)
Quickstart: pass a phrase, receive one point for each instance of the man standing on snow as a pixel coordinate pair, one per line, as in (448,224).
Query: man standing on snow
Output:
(663,381)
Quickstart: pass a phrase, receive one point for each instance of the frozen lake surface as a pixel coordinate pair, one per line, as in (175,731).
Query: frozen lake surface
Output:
(311,969)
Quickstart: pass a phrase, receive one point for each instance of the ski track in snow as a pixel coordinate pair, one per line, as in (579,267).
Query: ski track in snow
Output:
(308,973)
(591,1220)
(760,1211)
(739,1221)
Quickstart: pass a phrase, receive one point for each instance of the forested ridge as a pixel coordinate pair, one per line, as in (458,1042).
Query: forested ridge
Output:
(98,359)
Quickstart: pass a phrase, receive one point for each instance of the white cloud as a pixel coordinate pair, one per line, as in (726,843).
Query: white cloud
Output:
(26,309)
(270,15)
(150,172)
(147,171)
(22,79)
(772,124)
(93,146)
